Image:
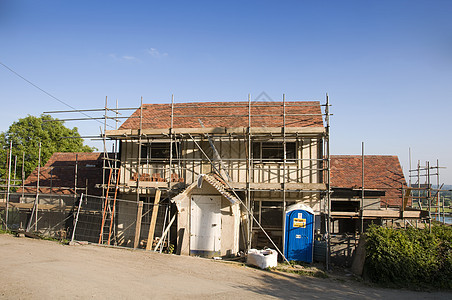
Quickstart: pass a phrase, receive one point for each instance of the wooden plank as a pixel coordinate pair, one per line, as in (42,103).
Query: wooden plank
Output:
(368,213)
(124,133)
(380,214)
(278,186)
(138,225)
(414,214)
(359,257)
(165,232)
(56,207)
(305,130)
(277,130)
(406,198)
(118,133)
(155,210)
(180,240)
(200,130)
(152,184)
(152,131)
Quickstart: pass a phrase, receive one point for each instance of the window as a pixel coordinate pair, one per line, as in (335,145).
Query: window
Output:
(269,213)
(273,151)
(159,152)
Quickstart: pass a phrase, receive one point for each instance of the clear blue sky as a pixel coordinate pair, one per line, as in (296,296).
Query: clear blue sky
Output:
(387,65)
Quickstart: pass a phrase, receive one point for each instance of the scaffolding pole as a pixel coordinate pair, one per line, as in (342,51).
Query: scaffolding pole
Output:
(361,230)
(9,182)
(104,161)
(140,131)
(36,204)
(23,174)
(171,143)
(328,195)
(284,173)
(424,191)
(248,180)
(429,198)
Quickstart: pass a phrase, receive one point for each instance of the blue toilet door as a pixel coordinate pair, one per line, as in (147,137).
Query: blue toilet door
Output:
(299,236)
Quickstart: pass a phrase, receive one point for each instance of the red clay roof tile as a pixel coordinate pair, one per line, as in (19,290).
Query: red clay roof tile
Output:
(381,172)
(58,174)
(227,114)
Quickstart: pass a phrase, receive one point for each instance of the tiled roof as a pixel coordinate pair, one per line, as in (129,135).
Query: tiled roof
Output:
(220,187)
(227,114)
(381,172)
(214,181)
(58,174)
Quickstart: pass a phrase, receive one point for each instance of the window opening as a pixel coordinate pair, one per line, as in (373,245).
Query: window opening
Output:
(273,151)
(158,152)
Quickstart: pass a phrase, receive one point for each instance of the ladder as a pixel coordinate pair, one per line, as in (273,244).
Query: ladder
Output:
(109,207)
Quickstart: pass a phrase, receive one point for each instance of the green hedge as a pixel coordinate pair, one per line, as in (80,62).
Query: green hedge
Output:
(410,257)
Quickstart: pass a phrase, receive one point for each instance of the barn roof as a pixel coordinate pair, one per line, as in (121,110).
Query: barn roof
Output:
(381,172)
(57,176)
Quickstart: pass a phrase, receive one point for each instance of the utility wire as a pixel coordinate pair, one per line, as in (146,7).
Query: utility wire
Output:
(50,95)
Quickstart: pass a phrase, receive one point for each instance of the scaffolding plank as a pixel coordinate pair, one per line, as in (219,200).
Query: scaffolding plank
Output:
(414,214)
(127,133)
(278,186)
(155,210)
(138,225)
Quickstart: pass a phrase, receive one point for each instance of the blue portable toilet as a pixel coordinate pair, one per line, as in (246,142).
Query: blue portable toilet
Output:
(299,233)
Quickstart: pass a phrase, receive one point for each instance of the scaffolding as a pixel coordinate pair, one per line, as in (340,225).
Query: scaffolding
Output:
(146,162)
(244,174)
(424,183)
(202,150)
(41,204)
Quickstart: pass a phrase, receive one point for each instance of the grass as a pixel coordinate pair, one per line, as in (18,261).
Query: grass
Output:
(4,231)
(41,237)
(434,209)
(302,270)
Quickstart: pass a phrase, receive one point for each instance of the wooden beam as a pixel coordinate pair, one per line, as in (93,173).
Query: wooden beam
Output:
(127,133)
(138,225)
(370,213)
(118,133)
(278,186)
(406,197)
(155,210)
(200,130)
(55,207)
(151,184)
(165,232)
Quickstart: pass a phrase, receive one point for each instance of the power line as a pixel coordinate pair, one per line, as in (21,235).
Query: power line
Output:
(50,95)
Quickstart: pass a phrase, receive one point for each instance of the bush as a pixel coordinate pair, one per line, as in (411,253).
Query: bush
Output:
(410,257)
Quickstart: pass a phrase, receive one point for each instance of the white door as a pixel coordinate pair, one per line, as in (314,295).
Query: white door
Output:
(205,225)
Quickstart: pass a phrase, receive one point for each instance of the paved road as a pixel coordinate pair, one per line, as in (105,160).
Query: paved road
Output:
(37,269)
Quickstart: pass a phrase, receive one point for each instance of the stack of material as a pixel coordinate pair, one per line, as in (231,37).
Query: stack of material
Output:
(263,259)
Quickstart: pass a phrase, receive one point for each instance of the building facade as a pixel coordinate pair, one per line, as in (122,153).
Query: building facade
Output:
(267,155)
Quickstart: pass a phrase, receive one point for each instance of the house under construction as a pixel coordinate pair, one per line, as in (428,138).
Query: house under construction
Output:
(255,159)
(214,178)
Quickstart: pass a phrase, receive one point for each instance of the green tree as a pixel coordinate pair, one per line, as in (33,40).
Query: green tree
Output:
(26,134)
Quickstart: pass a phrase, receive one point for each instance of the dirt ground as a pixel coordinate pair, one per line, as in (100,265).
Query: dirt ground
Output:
(37,269)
